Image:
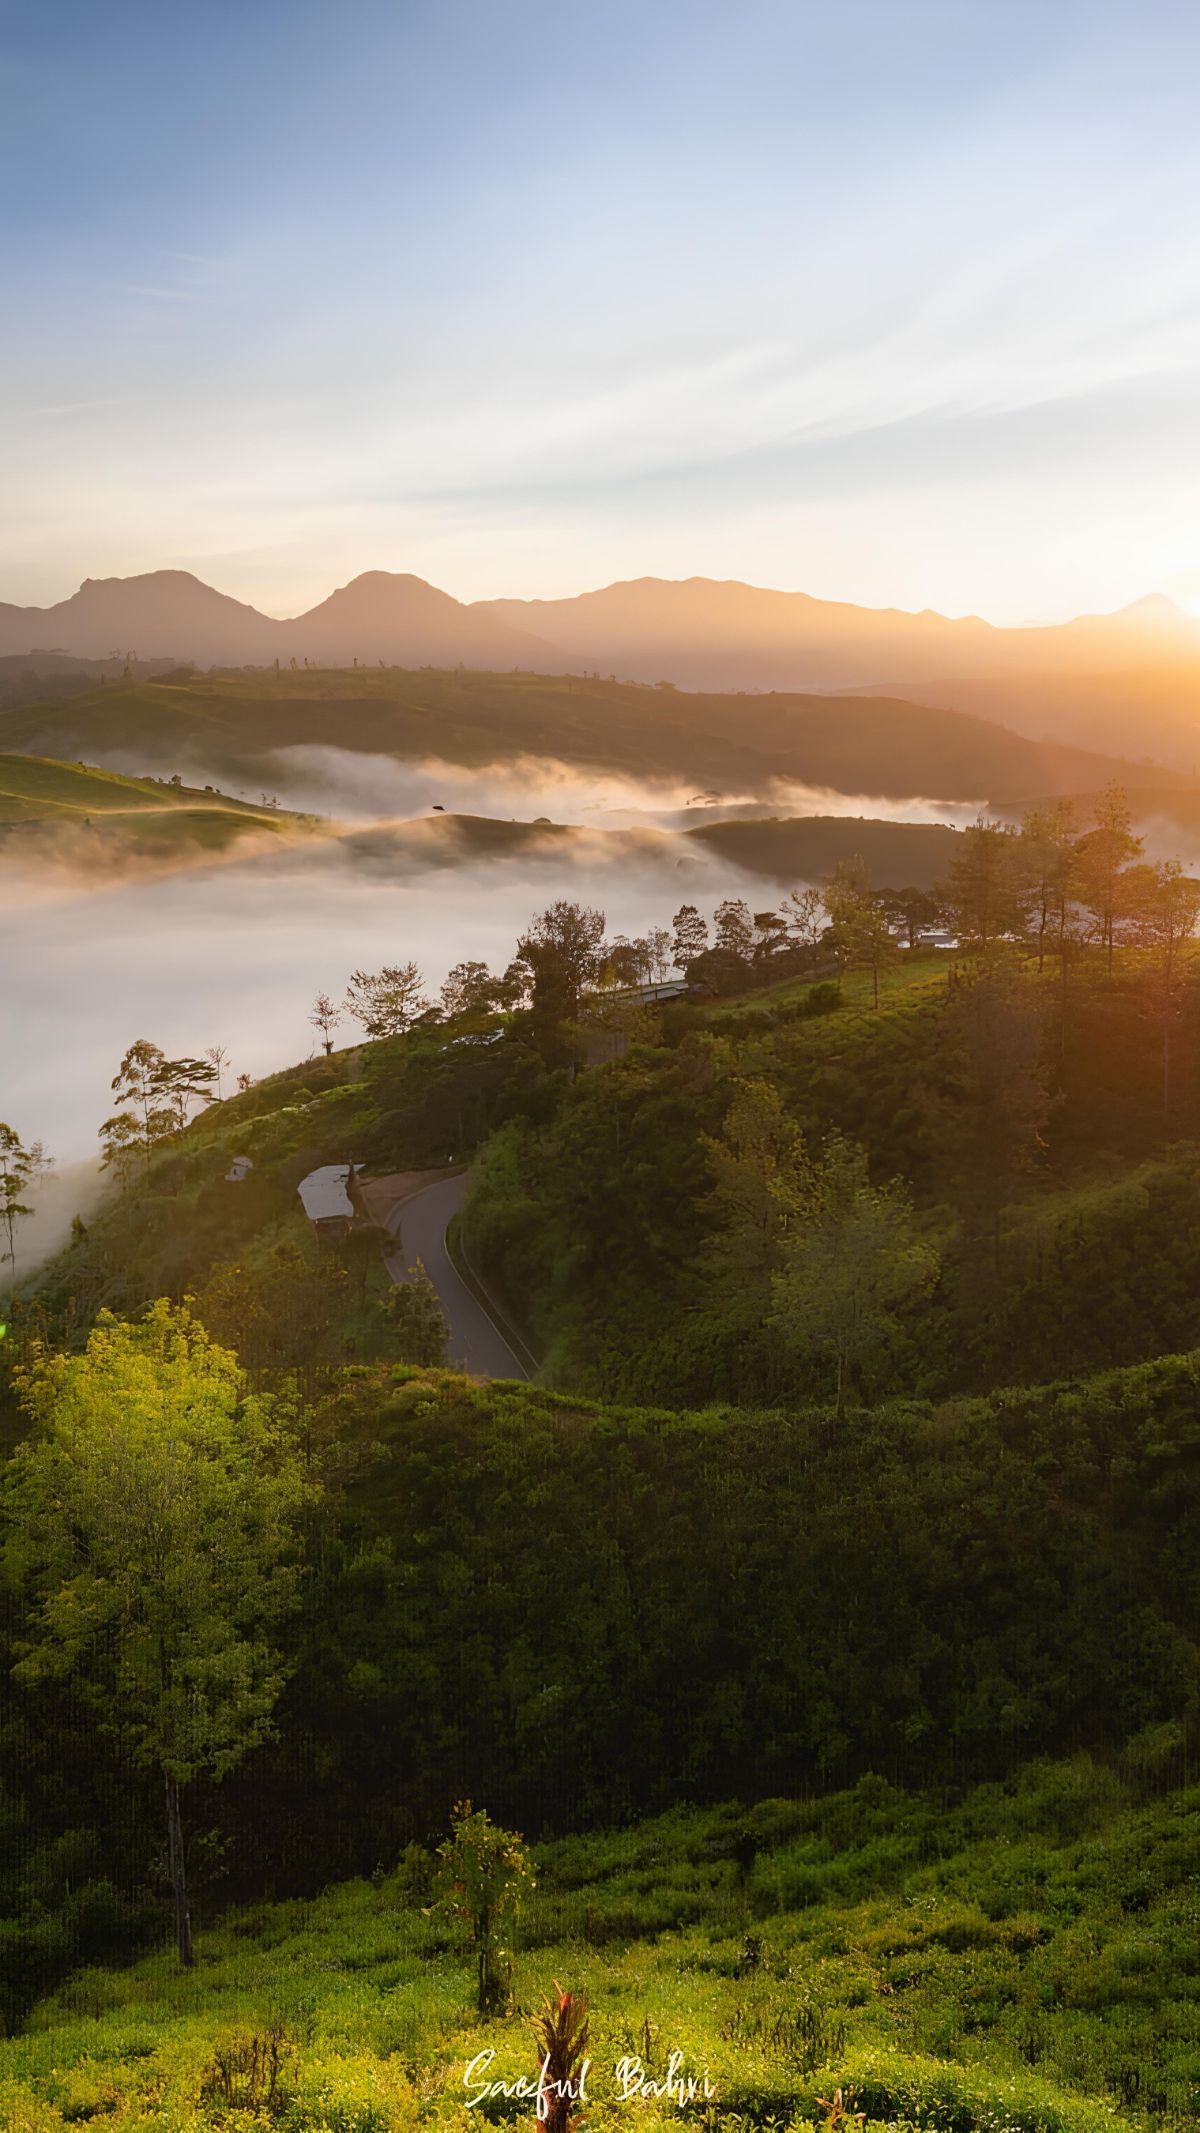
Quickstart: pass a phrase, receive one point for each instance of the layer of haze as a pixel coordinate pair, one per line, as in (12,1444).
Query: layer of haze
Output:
(234,954)
(349,786)
(896,304)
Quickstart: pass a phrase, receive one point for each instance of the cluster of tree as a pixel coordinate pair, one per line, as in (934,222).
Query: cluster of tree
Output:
(1052,886)
(981,1106)
(1055,885)
(560,955)
(22,1170)
(155,1099)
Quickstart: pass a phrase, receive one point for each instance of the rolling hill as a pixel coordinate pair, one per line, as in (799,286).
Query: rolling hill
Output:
(232,727)
(102,819)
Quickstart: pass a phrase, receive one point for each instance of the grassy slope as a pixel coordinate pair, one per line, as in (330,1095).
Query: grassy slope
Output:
(1024,1962)
(900,855)
(136,816)
(320,1107)
(735,743)
(1021,1962)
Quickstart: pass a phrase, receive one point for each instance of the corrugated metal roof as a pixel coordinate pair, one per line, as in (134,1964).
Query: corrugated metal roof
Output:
(325,1195)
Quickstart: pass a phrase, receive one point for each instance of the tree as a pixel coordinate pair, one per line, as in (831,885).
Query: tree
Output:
(180,1083)
(325,1018)
(483,1876)
(804,911)
(20,1169)
(755,1163)
(568,939)
(143,1118)
(859,922)
(626,963)
(1162,905)
(217,1055)
(153,1521)
(991,1128)
(770,935)
(913,909)
(734,928)
(614,1018)
(659,954)
(470,989)
(1102,856)
(689,936)
(417,1320)
(284,1317)
(562,953)
(852,1257)
(1048,853)
(388,1001)
(719,971)
(986,893)
(122,1142)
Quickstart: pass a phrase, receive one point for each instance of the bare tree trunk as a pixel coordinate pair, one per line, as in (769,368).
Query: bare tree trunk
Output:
(183,1918)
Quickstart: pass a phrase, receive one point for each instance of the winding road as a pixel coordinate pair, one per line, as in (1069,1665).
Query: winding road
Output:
(419,1224)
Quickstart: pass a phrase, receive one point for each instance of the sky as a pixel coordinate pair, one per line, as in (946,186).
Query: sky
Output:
(882,302)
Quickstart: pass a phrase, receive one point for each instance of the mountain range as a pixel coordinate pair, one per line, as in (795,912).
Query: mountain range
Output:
(1128,681)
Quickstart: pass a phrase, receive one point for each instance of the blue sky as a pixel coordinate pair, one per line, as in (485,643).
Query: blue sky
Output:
(883,302)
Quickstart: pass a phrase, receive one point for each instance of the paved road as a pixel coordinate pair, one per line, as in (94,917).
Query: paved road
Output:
(419,1225)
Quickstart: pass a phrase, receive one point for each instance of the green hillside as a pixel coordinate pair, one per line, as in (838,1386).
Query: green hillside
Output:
(233,723)
(1021,1959)
(826,1614)
(898,854)
(125,817)
(87,812)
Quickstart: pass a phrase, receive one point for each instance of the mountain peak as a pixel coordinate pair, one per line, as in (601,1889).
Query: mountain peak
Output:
(1151,607)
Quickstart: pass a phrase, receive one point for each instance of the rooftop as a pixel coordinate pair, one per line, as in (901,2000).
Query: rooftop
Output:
(325,1193)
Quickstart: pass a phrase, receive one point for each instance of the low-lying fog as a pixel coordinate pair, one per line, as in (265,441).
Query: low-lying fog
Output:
(353,787)
(235,954)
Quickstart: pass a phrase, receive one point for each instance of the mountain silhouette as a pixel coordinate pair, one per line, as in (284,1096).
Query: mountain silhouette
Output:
(169,613)
(705,633)
(1129,680)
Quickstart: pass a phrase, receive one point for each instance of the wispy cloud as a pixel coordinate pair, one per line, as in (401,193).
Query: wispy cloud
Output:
(169,293)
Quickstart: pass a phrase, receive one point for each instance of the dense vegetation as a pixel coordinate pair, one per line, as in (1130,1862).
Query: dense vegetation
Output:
(1017,1960)
(862,1476)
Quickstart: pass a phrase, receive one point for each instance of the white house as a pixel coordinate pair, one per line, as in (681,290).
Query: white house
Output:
(240,1168)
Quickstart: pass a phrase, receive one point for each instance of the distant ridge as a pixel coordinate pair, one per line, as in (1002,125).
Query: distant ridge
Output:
(1140,665)
(169,613)
(722,634)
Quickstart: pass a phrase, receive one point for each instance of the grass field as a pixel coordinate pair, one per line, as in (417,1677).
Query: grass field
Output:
(906,981)
(1021,1962)
(103,814)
